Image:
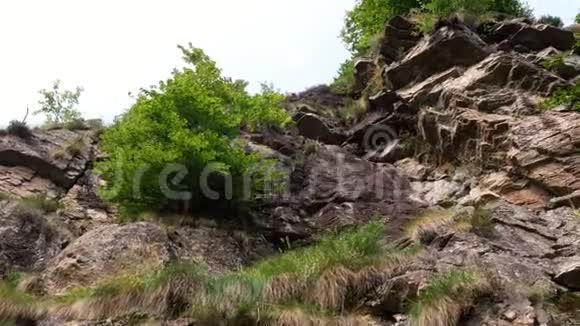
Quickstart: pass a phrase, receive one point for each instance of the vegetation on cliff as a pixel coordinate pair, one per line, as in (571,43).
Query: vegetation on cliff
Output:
(190,122)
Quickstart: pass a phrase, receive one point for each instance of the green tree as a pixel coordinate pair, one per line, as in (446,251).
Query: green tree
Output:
(194,120)
(578,19)
(345,82)
(59,106)
(551,20)
(368,18)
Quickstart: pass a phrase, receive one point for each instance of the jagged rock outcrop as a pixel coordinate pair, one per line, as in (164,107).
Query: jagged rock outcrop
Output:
(448,47)
(532,38)
(50,155)
(481,179)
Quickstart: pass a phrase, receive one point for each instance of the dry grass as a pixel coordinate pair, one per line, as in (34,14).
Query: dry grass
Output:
(330,278)
(71,150)
(15,304)
(300,316)
(447,297)
(426,224)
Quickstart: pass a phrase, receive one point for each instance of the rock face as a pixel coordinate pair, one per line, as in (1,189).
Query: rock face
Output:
(445,49)
(46,154)
(106,252)
(476,176)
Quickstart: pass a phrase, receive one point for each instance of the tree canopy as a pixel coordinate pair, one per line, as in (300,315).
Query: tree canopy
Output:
(190,121)
(368,17)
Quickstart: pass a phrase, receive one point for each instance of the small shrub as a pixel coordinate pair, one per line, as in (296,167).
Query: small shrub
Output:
(3,132)
(345,82)
(422,228)
(447,297)
(19,129)
(76,124)
(59,106)
(482,222)
(41,202)
(76,147)
(353,110)
(569,97)
(554,62)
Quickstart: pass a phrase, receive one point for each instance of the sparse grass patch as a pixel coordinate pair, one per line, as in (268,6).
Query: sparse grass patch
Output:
(309,284)
(423,226)
(19,129)
(71,150)
(77,146)
(353,110)
(447,297)
(569,97)
(482,222)
(14,303)
(41,202)
(311,146)
(4,196)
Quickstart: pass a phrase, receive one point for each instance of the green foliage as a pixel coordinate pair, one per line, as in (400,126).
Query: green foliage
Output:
(345,82)
(368,18)
(19,129)
(551,20)
(59,106)
(442,302)
(554,62)
(569,97)
(578,19)
(354,250)
(193,119)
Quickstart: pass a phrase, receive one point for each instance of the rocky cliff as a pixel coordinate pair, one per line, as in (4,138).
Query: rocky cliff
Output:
(444,141)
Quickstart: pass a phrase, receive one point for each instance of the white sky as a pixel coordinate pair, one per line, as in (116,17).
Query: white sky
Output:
(115,47)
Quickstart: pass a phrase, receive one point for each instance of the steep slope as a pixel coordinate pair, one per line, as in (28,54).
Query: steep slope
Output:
(447,198)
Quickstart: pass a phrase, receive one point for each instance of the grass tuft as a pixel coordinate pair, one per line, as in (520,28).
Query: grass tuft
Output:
(41,202)
(447,297)
(19,129)
(425,225)
(327,278)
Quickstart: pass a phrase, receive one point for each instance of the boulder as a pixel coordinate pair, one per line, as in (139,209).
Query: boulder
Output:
(108,251)
(363,71)
(28,241)
(315,127)
(539,37)
(533,37)
(446,48)
(400,35)
(568,274)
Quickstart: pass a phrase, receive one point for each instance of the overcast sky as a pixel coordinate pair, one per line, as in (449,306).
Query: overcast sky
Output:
(112,48)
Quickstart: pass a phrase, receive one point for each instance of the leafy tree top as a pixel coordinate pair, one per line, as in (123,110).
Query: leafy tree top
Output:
(192,119)
(58,105)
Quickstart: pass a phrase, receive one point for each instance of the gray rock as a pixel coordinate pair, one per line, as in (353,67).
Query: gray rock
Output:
(568,273)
